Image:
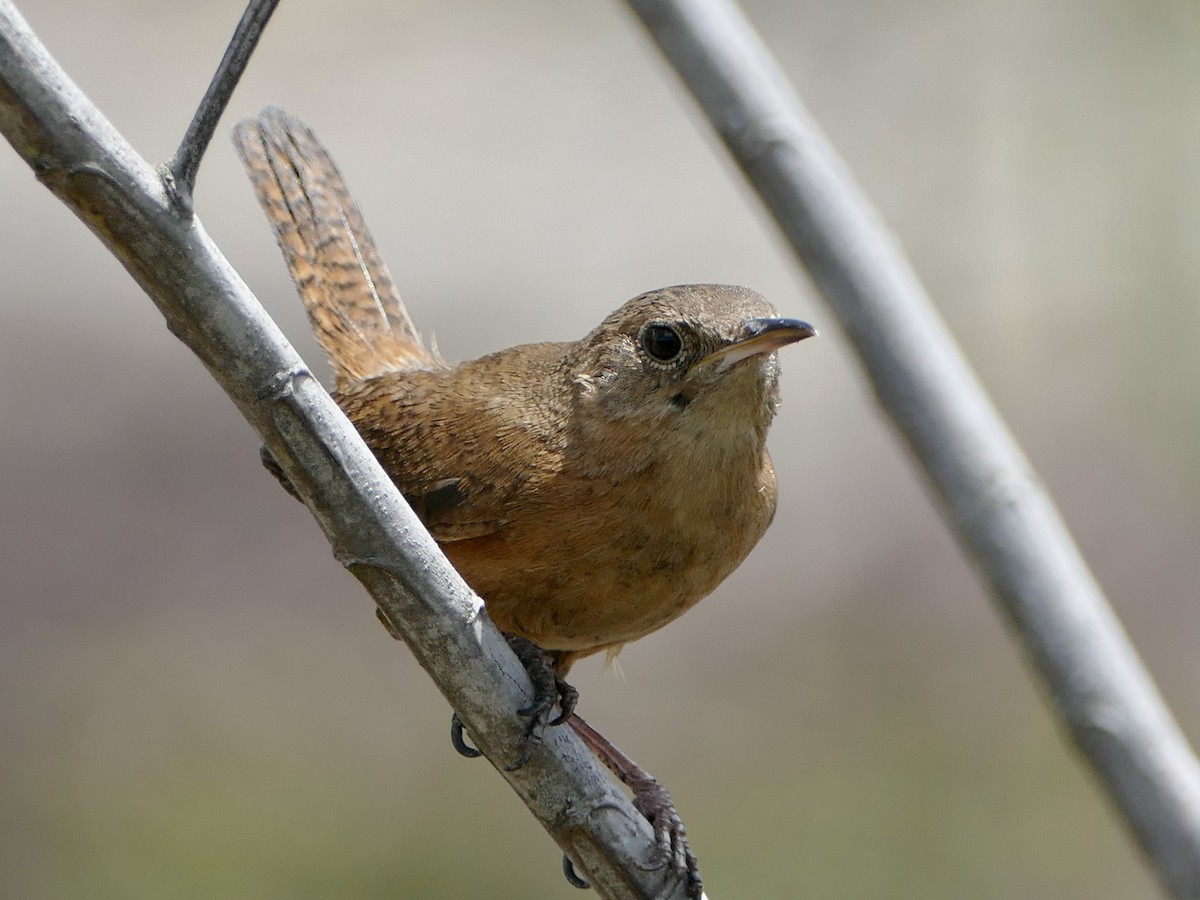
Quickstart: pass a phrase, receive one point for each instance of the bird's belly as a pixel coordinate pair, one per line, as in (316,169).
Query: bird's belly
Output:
(581,583)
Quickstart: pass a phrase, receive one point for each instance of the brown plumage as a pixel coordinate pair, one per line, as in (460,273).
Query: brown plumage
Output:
(588,491)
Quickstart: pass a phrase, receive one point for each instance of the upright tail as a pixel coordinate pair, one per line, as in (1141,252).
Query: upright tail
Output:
(352,302)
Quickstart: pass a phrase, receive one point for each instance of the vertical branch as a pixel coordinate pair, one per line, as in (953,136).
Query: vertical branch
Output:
(991,497)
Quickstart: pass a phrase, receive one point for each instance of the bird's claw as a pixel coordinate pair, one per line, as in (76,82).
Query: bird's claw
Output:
(459,740)
(572,876)
(548,691)
(653,801)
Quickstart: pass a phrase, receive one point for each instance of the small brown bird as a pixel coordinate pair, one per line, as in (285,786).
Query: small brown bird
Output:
(589,491)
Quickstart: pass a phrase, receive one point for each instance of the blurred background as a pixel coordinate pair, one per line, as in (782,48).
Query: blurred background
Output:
(196,701)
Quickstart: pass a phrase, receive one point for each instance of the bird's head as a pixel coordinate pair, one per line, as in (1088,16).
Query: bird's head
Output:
(686,364)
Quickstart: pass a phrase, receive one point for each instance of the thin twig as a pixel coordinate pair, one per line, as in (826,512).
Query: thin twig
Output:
(992,500)
(184,166)
(79,156)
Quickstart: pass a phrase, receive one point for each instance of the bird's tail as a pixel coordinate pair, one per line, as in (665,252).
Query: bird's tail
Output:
(352,302)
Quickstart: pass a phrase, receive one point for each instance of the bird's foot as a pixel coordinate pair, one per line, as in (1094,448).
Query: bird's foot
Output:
(572,876)
(653,801)
(459,740)
(457,735)
(548,691)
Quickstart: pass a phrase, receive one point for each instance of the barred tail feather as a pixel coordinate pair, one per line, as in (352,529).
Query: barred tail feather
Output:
(352,302)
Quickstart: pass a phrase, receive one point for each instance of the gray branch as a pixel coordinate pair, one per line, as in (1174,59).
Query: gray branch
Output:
(80,157)
(991,497)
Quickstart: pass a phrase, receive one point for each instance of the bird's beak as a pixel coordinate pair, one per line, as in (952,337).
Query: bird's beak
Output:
(759,336)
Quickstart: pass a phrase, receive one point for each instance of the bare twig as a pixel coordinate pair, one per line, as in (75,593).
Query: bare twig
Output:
(992,500)
(79,156)
(185,164)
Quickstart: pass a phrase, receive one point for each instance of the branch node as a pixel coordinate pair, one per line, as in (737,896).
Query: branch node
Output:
(44,165)
(282,385)
(350,563)
(179,196)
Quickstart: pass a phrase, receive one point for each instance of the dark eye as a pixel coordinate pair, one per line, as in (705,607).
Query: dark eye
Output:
(662,342)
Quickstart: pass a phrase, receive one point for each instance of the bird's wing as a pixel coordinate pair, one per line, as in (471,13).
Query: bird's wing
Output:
(459,450)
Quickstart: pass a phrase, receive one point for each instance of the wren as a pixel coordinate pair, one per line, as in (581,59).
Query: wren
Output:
(589,491)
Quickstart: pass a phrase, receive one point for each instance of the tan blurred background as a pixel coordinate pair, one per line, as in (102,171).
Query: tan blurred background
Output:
(195,700)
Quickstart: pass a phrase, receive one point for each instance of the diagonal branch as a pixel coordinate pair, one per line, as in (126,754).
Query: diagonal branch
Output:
(81,158)
(992,500)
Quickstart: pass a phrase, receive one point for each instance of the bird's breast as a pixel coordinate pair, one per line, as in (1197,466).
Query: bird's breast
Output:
(588,563)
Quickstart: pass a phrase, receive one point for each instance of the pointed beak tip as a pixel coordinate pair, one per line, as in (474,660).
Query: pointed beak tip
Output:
(760,336)
(779,331)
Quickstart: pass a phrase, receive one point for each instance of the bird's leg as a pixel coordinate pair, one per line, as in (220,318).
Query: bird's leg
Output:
(548,688)
(572,876)
(457,738)
(650,799)
(548,691)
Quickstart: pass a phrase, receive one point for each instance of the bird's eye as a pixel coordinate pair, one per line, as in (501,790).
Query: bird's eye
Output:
(661,341)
